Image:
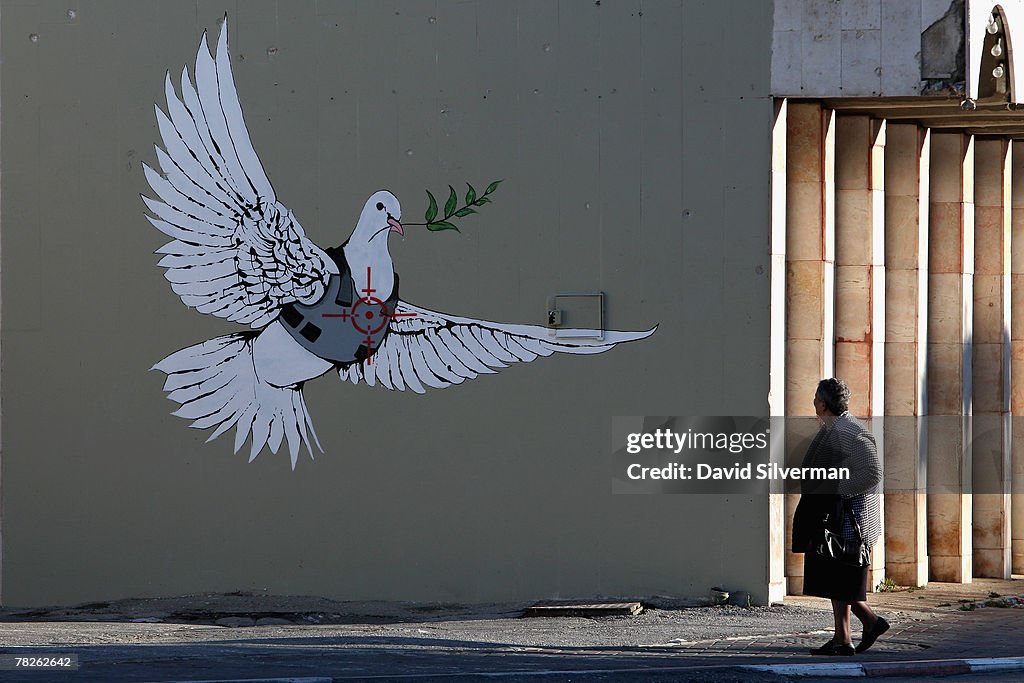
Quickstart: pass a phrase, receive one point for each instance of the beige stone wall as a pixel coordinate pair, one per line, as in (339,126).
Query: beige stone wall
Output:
(922,226)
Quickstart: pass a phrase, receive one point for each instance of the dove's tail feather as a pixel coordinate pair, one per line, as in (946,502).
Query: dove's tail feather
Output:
(217,386)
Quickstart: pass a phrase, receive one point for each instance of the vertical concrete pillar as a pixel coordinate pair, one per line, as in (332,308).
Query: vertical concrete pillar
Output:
(860,276)
(906,335)
(950,312)
(810,277)
(991,360)
(777,371)
(1017,355)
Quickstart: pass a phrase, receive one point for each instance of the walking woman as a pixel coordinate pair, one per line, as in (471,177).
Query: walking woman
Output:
(848,508)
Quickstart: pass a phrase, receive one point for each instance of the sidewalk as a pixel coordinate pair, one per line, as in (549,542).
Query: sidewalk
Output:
(935,631)
(217,637)
(943,621)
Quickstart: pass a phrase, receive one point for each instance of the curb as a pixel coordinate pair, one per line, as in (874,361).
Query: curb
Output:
(940,667)
(307,679)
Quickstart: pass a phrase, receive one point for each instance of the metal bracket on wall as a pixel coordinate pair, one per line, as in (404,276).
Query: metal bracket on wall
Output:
(577,315)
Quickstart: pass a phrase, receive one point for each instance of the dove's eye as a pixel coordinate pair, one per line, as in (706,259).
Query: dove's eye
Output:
(380,206)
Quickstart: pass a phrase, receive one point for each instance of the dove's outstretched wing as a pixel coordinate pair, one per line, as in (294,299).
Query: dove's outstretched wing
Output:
(237,252)
(429,349)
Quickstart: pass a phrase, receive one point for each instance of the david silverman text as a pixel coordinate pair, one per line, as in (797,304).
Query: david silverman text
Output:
(769,471)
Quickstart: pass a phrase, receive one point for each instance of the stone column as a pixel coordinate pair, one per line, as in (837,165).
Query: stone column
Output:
(1017,356)
(906,335)
(860,276)
(950,312)
(777,546)
(810,277)
(991,361)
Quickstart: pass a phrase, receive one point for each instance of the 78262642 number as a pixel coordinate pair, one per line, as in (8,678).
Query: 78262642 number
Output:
(56,662)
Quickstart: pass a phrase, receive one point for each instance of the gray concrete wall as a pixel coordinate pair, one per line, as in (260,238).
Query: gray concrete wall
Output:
(866,48)
(892,48)
(636,159)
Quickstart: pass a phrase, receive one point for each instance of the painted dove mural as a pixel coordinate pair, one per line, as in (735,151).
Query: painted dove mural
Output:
(236,252)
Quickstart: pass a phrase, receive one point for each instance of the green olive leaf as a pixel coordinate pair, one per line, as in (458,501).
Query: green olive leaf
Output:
(432,209)
(451,207)
(453,201)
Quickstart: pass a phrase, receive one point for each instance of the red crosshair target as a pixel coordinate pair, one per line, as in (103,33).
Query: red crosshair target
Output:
(369,315)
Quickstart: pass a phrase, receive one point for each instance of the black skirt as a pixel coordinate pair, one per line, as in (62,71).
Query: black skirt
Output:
(827,578)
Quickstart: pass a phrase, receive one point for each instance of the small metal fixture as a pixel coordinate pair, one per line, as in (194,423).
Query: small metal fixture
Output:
(577,314)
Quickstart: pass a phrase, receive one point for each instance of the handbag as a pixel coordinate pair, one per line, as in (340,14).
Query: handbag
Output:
(808,516)
(832,546)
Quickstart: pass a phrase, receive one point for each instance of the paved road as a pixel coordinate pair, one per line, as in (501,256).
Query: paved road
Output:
(453,651)
(423,645)
(379,668)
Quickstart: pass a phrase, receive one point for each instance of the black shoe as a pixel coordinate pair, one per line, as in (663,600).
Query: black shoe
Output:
(831,649)
(880,627)
(823,649)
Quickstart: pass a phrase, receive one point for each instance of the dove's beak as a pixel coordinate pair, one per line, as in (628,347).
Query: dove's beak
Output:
(395,225)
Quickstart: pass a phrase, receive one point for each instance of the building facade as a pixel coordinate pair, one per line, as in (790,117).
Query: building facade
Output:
(897,220)
(788,190)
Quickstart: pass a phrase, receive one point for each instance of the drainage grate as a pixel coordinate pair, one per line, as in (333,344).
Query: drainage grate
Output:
(587,609)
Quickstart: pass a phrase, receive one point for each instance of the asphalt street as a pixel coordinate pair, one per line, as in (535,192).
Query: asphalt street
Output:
(245,636)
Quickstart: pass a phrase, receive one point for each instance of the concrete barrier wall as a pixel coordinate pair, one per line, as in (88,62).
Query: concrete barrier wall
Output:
(634,143)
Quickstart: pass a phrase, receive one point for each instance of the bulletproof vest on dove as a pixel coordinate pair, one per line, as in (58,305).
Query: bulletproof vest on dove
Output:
(344,326)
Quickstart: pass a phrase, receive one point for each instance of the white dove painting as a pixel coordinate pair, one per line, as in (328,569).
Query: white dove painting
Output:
(236,252)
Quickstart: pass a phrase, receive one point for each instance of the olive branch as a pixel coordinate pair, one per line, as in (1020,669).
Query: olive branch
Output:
(451,209)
